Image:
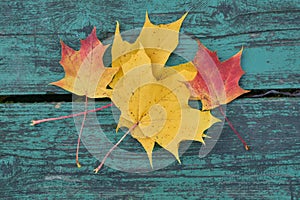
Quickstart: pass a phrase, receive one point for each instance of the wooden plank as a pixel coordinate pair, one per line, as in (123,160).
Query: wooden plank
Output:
(209,17)
(38,162)
(30,49)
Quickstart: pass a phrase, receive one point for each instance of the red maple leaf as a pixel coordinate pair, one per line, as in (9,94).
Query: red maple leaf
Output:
(216,82)
(85,73)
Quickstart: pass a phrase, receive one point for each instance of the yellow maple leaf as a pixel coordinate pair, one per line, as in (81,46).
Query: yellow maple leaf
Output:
(159,42)
(157,108)
(85,73)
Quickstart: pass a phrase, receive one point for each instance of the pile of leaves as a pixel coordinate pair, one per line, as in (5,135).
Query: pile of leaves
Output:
(153,98)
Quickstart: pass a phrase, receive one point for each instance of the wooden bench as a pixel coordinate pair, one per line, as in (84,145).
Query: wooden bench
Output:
(38,162)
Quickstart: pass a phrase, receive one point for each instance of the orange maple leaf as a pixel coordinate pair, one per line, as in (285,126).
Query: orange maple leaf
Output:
(85,73)
(216,82)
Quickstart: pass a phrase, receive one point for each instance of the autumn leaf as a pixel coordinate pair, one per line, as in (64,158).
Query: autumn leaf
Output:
(85,73)
(153,99)
(158,108)
(216,82)
(159,42)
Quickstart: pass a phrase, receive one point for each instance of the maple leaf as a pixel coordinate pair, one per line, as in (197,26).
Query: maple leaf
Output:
(85,73)
(216,82)
(159,42)
(158,109)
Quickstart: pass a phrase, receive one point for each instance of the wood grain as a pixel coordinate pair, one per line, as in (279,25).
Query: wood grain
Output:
(31,30)
(39,161)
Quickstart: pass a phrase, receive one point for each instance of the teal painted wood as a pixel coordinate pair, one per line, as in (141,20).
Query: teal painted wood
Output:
(31,30)
(39,162)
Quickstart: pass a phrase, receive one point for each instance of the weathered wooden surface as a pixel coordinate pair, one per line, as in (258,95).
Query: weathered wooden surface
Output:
(31,30)
(38,162)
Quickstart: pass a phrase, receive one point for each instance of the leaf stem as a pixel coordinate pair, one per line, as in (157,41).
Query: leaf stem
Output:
(35,122)
(109,152)
(81,130)
(234,130)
